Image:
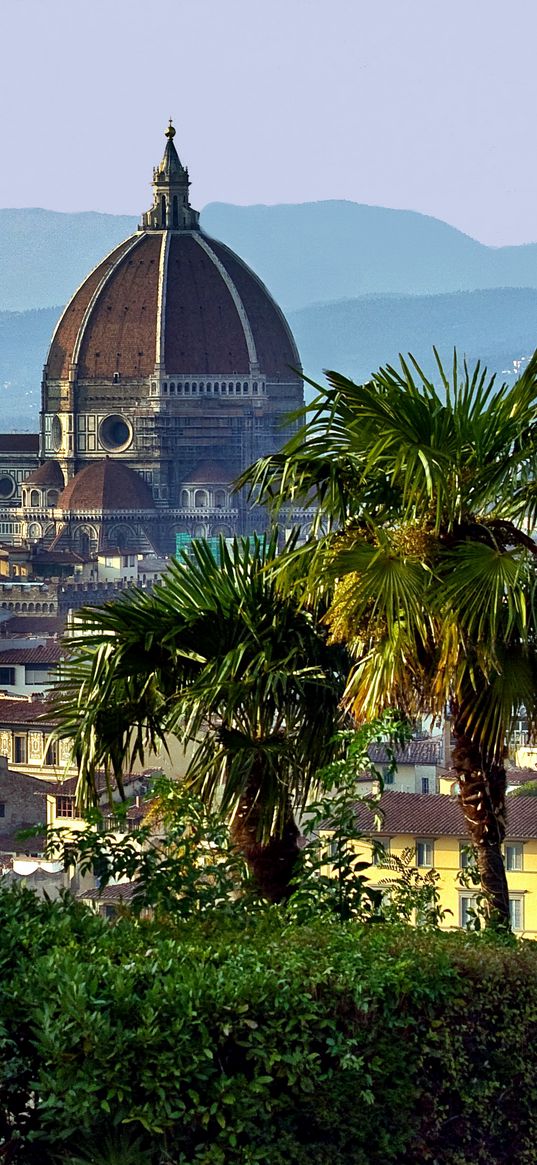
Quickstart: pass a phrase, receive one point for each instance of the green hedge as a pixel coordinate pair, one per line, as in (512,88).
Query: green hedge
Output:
(287,1045)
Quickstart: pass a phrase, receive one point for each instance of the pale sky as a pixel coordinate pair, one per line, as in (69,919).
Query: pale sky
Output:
(428,105)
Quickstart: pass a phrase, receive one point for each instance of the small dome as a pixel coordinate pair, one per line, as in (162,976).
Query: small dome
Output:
(106,485)
(208,473)
(48,474)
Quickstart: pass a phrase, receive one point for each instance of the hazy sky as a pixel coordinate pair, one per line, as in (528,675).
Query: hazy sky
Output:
(425,104)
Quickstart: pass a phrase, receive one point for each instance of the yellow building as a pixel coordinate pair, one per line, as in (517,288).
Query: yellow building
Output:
(433,826)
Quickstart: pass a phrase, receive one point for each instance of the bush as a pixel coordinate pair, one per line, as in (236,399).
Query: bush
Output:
(223,1043)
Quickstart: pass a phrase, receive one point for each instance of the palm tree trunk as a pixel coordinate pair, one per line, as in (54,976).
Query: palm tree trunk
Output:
(482,797)
(271,863)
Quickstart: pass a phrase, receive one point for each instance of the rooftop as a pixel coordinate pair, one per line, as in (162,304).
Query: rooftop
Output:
(437,815)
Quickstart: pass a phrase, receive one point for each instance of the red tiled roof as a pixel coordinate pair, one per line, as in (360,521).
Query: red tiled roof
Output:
(112,894)
(50,653)
(209,295)
(10,843)
(437,815)
(416,752)
(120,332)
(25,712)
(65,336)
(106,485)
(48,474)
(276,350)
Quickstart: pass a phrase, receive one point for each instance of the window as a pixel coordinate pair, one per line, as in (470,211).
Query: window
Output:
(35,497)
(2,808)
(65,806)
(465,855)
(41,673)
(424,853)
(425,785)
(514,856)
(380,850)
(7,675)
(51,758)
(19,750)
(388,776)
(516,911)
(466,907)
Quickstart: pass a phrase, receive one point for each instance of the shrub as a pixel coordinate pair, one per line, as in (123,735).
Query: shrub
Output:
(219,1042)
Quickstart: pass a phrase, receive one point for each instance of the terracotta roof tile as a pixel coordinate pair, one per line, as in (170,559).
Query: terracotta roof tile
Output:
(48,474)
(25,712)
(204,333)
(50,653)
(416,752)
(106,485)
(64,339)
(120,333)
(438,815)
(276,350)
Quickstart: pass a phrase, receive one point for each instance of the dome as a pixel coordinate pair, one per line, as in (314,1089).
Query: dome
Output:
(173,299)
(179,296)
(48,474)
(106,485)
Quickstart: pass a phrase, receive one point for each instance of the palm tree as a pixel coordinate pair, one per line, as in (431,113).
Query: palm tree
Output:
(215,655)
(428,495)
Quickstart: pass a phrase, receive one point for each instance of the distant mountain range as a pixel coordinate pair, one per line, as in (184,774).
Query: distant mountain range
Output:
(308,253)
(359,285)
(353,336)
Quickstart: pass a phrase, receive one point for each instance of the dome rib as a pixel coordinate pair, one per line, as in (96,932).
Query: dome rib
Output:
(241,312)
(161,298)
(65,333)
(134,241)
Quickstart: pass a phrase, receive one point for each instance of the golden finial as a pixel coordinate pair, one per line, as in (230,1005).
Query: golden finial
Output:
(170,132)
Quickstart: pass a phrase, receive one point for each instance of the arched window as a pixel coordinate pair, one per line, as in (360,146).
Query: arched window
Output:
(175,216)
(35,497)
(172,387)
(162,211)
(52,497)
(185,497)
(220,499)
(200,499)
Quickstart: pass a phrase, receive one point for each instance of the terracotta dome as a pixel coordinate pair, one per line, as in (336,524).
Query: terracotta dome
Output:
(175,299)
(48,474)
(106,485)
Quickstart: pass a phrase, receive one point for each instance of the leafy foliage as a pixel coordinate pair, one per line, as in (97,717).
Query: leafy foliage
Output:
(224,1043)
(427,493)
(217,656)
(180,863)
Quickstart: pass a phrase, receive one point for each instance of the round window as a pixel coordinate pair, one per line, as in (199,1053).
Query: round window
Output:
(7,485)
(115,433)
(56,434)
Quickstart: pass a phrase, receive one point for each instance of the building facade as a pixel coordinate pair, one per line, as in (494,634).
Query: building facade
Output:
(170,371)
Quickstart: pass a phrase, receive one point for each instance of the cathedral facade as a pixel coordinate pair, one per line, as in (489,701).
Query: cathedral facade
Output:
(169,372)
